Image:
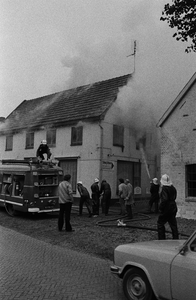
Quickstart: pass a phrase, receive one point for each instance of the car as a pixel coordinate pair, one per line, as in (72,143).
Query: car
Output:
(158,269)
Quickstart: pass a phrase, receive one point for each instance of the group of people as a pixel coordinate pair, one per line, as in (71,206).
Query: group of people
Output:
(100,196)
(163,197)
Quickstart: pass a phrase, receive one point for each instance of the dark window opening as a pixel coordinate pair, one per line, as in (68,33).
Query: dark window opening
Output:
(9,143)
(118,136)
(76,135)
(191,180)
(51,137)
(29,140)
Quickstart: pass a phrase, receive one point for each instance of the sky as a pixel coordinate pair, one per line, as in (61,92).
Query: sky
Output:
(47,46)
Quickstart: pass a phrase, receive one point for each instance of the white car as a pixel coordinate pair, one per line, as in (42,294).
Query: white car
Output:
(160,269)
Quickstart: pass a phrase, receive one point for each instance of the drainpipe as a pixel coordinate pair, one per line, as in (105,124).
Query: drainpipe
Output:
(101,154)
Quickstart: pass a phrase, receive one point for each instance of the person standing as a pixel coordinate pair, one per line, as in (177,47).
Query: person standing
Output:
(129,200)
(154,198)
(84,198)
(167,208)
(123,193)
(95,197)
(106,196)
(65,202)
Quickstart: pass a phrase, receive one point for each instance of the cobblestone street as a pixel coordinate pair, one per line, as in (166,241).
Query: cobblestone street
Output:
(33,269)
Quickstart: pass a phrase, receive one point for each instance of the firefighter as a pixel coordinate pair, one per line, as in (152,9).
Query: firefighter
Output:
(84,198)
(154,199)
(43,149)
(106,196)
(95,197)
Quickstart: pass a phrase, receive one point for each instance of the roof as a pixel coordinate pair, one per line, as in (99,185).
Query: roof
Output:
(175,103)
(89,103)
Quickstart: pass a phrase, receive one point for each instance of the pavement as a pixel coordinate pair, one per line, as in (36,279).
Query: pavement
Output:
(31,269)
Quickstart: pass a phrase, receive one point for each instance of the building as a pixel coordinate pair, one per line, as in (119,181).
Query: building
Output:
(178,147)
(85,134)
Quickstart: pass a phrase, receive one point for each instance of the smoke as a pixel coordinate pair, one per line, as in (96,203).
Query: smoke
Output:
(74,43)
(149,91)
(98,61)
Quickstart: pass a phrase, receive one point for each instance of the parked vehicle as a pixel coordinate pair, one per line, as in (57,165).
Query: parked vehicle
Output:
(29,186)
(164,269)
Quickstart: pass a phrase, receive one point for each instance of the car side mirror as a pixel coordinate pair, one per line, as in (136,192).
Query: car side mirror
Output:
(184,250)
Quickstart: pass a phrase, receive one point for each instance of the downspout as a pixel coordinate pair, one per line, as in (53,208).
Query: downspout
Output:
(101,154)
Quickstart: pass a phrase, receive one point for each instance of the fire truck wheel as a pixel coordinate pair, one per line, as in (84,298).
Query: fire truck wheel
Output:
(10,209)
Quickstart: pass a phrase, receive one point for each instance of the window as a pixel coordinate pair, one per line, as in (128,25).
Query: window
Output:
(51,137)
(29,140)
(118,136)
(76,135)
(7,184)
(191,180)
(9,143)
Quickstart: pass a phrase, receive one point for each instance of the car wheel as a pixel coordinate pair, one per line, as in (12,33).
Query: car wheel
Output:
(136,285)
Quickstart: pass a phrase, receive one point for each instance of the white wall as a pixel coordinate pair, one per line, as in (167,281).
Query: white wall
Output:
(178,148)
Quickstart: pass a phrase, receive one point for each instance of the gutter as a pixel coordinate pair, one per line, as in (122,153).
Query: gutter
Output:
(101,154)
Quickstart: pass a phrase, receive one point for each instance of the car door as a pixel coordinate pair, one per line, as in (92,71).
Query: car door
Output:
(183,274)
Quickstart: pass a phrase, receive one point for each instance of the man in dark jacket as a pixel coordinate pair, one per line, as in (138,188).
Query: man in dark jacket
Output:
(84,198)
(95,197)
(106,196)
(154,199)
(43,149)
(167,208)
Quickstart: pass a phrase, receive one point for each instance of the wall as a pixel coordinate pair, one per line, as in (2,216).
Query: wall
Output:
(178,148)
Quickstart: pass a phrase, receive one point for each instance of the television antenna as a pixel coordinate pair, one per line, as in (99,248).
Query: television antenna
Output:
(133,54)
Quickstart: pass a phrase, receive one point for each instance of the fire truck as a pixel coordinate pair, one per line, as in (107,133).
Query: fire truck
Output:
(29,186)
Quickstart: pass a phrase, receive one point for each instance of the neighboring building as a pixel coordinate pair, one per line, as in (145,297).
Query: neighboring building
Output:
(178,148)
(83,132)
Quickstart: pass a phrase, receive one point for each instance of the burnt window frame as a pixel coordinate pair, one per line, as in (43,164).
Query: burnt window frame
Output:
(76,136)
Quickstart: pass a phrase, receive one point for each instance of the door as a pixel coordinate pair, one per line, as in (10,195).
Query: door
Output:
(129,170)
(69,166)
(183,273)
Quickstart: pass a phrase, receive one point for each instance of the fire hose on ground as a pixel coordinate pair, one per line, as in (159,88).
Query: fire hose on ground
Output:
(119,222)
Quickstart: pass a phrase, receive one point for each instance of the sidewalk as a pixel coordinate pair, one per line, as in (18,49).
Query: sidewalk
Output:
(34,270)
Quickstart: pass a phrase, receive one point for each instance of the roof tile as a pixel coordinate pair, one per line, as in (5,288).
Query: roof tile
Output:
(87,102)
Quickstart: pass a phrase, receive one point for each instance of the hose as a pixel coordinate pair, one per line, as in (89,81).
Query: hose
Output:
(145,217)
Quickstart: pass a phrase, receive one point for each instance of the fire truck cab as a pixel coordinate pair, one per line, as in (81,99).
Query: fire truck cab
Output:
(29,186)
